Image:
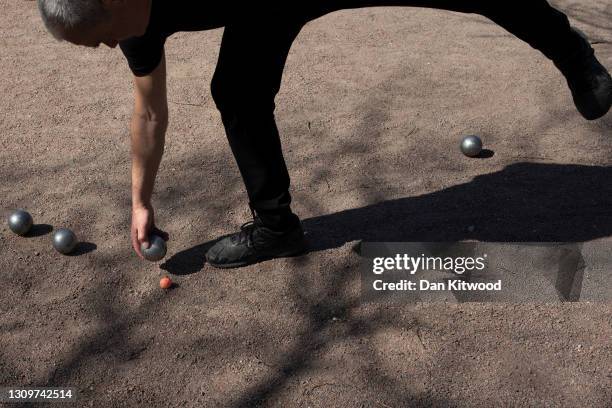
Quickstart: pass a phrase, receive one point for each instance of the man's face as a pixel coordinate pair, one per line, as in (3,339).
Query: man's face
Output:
(126,19)
(94,36)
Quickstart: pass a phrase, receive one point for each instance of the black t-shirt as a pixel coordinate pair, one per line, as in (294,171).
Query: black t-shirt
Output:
(144,53)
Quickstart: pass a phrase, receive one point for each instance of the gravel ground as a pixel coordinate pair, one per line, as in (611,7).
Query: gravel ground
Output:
(373,105)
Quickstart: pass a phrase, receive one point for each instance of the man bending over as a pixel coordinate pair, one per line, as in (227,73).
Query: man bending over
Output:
(254,48)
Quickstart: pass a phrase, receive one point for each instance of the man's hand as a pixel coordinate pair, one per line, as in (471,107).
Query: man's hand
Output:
(143,224)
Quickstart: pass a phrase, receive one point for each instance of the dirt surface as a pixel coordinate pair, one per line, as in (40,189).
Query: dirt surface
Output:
(373,105)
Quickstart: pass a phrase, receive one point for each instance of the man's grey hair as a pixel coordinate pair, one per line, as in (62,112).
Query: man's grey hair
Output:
(70,14)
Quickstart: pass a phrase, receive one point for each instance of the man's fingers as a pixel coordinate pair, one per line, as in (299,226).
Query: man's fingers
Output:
(143,239)
(136,244)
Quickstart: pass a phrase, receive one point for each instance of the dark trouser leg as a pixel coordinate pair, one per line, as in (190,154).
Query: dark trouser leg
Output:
(533,21)
(541,26)
(245,83)
(253,55)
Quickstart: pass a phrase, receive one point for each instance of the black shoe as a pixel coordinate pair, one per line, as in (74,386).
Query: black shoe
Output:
(591,85)
(255,243)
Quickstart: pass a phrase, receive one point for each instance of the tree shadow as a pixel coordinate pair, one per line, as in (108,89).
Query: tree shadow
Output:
(523,202)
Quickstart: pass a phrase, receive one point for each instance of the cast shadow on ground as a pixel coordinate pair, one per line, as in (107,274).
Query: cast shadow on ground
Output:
(525,202)
(83,248)
(485,154)
(38,230)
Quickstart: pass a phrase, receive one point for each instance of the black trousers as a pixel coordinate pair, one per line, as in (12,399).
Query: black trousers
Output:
(254,50)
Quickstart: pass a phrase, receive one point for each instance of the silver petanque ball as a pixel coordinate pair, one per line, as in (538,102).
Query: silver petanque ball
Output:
(471,146)
(156,250)
(20,222)
(64,241)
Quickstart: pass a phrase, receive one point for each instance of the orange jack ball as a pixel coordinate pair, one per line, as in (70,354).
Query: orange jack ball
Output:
(165,283)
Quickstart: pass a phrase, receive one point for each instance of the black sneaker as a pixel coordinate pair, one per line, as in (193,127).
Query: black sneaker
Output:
(255,243)
(591,86)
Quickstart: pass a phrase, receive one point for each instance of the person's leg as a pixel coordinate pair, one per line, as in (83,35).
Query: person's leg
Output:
(247,78)
(536,22)
(549,31)
(533,21)
(245,83)
(540,25)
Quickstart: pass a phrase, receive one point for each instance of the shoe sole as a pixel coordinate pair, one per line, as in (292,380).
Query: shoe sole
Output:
(289,253)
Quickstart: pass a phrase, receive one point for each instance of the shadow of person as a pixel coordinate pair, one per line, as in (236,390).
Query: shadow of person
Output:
(190,260)
(524,202)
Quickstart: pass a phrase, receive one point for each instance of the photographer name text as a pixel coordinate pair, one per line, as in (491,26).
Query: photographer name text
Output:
(425,285)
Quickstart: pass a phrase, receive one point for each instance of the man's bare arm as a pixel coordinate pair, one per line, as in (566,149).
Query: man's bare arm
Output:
(148,131)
